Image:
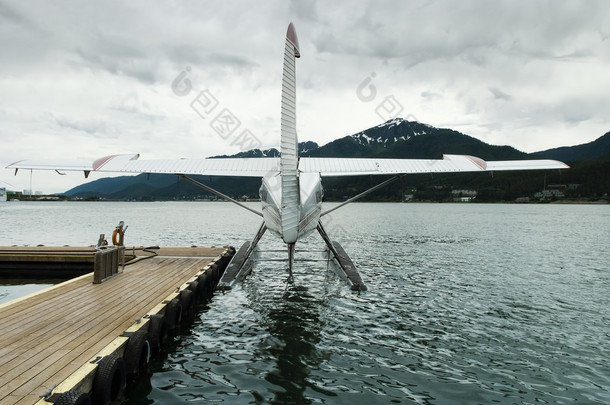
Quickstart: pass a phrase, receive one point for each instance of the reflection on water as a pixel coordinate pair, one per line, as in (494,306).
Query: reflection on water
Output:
(258,343)
(294,325)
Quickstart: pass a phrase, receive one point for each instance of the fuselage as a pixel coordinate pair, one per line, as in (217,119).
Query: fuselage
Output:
(306,207)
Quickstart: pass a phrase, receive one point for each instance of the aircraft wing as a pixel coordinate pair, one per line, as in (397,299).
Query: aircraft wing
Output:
(328,167)
(247,167)
(260,167)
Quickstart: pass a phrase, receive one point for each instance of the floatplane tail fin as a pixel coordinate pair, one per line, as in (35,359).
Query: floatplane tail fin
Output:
(289,144)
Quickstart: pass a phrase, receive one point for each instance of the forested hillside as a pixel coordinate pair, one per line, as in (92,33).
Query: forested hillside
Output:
(588,178)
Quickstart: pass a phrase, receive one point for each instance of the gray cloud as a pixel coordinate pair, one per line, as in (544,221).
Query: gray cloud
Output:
(508,72)
(431,96)
(499,94)
(91,127)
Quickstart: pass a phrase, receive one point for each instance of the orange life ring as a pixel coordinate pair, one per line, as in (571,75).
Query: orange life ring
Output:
(115,234)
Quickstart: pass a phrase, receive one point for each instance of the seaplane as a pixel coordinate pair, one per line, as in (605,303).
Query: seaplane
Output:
(291,192)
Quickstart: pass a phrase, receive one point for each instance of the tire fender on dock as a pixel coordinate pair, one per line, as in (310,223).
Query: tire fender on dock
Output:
(204,280)
(158,330)
(225,259)
(188,302)
(73,398)
(214,273)
(223,262)
(137,353)
(173,313)
(110,380)
(194,287)
(202,288)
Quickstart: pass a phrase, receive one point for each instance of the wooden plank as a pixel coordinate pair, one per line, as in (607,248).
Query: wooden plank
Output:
(33,333)
(43,311)
(96,333)
(25,369)
(15,379)
(52,334)
(38,311)
(28,400)
(30,300)
(12,400)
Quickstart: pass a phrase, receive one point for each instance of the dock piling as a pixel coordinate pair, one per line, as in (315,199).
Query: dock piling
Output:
(106,263)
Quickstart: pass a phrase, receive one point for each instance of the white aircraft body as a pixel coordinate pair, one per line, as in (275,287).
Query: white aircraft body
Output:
(291,191)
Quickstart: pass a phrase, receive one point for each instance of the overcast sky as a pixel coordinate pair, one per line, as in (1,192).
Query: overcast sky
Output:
(86,80)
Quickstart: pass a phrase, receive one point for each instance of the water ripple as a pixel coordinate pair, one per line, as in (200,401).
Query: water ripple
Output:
(470,304)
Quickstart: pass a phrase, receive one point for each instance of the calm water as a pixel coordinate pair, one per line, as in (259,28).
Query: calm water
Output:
(467,303)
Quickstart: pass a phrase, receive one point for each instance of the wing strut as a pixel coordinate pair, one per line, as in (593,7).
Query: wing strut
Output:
(218,193)
(370,190)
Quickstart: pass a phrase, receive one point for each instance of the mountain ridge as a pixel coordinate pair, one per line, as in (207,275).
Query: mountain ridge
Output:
(397,138)
(597,149)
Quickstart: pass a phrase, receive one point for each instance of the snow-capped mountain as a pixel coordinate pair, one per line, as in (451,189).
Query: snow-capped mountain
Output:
(392,131)
(397,138)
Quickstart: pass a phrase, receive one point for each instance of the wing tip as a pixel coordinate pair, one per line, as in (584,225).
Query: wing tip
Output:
(562,164)
(12,165)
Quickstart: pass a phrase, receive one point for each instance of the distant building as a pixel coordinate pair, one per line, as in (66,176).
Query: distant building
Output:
(553,191)
(549,194)
(463,195)
(2,194)
(409,194)
(29,192)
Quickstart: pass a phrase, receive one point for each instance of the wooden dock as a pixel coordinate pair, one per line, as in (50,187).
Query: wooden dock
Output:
(56,338)
(46,261)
